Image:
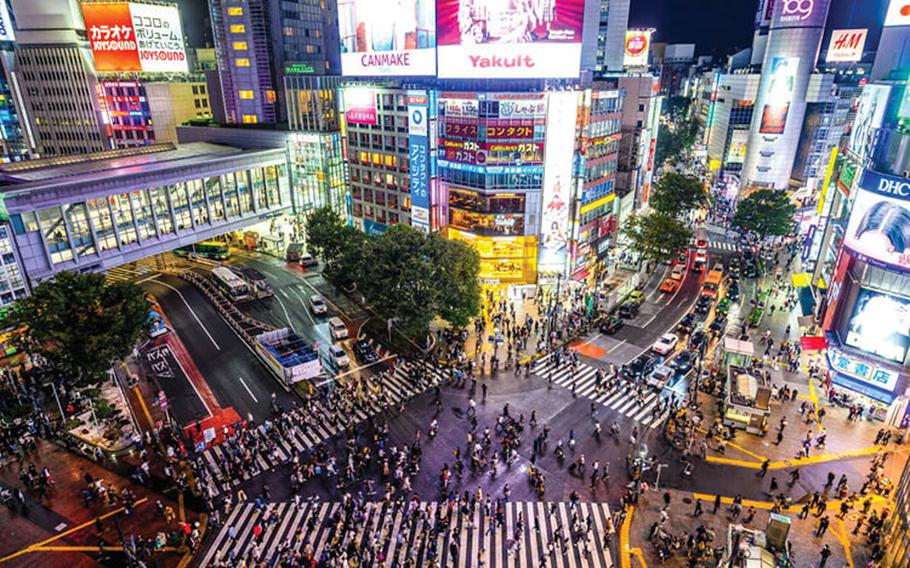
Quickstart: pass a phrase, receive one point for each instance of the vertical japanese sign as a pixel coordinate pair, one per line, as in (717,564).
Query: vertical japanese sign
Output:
(135,37)
(6,24)
(419,157)
(562,111)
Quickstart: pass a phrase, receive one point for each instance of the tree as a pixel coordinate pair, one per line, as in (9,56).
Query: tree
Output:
(459,289)
(323,227)
(349,264)
(765,212)
(677,195)
(80,325)
(655,235)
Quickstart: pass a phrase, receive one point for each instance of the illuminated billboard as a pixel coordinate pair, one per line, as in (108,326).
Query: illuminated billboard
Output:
(779,95)
(739,141)
(145,38)
(799,13)
(360,106)
(637,46)
(387,37)
(846,45)
(562,110)
(879,226)
(419,159)
(869,114)
(6,24)
(880,325)
(898,13)
(508,39)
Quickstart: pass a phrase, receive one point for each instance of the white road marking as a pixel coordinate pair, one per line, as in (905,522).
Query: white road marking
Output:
(198,394)
(146,279)
(283,293)
(286,315)
(617,346)
(192,311)
(242,382)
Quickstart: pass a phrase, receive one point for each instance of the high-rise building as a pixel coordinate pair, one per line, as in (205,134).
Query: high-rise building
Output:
(794,38)
(259,42)
(611,35)
(729,115)
(54,74)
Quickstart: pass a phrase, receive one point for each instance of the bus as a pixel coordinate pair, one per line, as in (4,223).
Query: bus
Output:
(232,285)
(208,249)
(712,282)
(257,281)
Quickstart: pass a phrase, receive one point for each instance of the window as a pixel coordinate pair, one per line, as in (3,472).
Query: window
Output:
(242,62)
(235,11)
(250,119)
(238,29)
(239,46)
(246,95)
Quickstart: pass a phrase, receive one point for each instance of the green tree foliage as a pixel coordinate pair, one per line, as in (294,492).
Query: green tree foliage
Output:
(766,213)
(403,273)
(677,132)
(678,195)
(655,235)
(80,325)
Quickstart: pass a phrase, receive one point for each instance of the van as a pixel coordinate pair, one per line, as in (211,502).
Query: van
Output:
(338,329)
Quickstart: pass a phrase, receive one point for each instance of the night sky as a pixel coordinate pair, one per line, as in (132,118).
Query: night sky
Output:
(720,27)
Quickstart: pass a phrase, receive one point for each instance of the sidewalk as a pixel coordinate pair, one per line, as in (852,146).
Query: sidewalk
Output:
(58,528)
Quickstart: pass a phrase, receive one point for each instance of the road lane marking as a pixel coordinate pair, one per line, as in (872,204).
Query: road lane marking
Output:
(192,384)
(286,315)
(283,293)
(192,311)
(146,279)
(242,382)
(617,346)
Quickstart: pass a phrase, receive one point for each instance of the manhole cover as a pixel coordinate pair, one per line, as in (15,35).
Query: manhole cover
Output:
(687,500)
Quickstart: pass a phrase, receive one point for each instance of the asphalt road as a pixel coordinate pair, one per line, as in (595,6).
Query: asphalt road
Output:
(233,372)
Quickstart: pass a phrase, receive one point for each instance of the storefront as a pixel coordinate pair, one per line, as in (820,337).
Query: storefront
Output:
(503,260)
(872,384)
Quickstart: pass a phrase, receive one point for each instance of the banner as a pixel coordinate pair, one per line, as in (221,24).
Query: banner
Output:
(419,156)
(846,45)
(387,37)
(135,37)
(360,106)
(638,44)
(778,95)
(562,109)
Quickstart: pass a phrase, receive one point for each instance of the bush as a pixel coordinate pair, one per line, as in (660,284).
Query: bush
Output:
(104,410)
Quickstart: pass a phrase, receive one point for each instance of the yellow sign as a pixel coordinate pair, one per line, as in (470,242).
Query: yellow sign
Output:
(828,173)
(595,204)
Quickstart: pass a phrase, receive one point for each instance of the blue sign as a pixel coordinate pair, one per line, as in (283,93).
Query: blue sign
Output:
(491,169)
(419,159)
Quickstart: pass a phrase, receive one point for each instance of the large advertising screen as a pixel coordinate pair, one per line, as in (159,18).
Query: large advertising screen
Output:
(562,110)
(880,325)
(879,226)
(637,47)
(509,39)
(135,37)
(898,13)
(846,45)
(779,95)
(387,37)
(869,114)
(739,141)
(360,106)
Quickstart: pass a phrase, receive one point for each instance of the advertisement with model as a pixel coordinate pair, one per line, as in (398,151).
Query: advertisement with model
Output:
(508,39)
(880,325)
(360,106)
(869,115)
(387,37)
(562,110)
(879,226)
(779,95)
(141,38)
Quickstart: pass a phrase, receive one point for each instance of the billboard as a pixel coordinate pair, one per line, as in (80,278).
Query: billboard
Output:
(387,37)
(637,47)
(869,114)
(880,325)
(898,13)
(360,106)
(509,39)
(739,141)
(779,95)
(418,159)
(562,110)
(135,37)
(799,13)
(6,24)
(846,45)
(879,226)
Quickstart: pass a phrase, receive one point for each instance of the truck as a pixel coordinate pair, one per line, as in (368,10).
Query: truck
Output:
(288,355)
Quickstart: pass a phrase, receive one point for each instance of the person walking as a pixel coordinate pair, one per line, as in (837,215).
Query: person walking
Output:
(825,554)
(822,526)
(716,504)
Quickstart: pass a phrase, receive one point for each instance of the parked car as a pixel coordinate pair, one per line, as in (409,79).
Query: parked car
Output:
(338,328)
(307,259)
(611,325)
(636,296)
(338,355)
(318,306)
(665,344)
(682,257)
(364,352)
(678,271)
(660,376)
(733,291)
(723,306)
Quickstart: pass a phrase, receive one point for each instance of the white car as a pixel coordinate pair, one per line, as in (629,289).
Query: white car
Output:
(665,344)
(317,305)
(678,271)
(701,256)
(339,357)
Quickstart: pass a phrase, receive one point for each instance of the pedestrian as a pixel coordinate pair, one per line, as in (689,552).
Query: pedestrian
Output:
(764,468)
(825,554)
(698,511)
(822,526)
(716,504)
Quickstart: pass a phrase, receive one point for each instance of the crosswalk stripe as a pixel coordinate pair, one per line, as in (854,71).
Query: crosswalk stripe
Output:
(398,387)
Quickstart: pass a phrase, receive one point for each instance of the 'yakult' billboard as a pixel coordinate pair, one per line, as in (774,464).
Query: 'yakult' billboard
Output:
(509,39)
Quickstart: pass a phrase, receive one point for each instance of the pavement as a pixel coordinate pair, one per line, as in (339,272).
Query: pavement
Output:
(59,529)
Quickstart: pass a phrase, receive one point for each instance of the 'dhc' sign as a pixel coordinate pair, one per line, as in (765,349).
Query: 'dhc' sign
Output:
(883,184)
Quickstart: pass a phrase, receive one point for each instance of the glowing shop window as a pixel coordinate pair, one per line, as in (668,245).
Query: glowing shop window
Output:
(246,95)
(238,29)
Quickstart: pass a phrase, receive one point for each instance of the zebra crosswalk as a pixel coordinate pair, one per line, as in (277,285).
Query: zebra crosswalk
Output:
(132,271)
(723,245)
(298,430)
(650,412)
(514,535)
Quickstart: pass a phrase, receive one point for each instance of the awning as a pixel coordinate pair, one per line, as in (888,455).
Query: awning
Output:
(801,280)
(733,345)
(861,388)
(813,342)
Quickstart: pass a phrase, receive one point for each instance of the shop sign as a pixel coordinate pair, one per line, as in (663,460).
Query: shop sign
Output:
(865,371)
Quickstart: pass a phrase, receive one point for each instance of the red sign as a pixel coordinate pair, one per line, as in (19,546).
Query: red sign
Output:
(774,119)
(112,36)
(510,132)
(464,130)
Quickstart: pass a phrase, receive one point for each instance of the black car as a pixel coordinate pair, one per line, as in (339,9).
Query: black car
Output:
(641,366)
(629,309)
(686,324)
(683,362)
(718,325)
(611,325)
(365,352)
(698,340)
(703,304)
(733,291)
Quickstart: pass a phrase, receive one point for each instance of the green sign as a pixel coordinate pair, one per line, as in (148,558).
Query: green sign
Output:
(298,69)
(904,110)
(4,214)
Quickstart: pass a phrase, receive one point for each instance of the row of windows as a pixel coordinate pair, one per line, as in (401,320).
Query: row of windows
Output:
(68,229)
